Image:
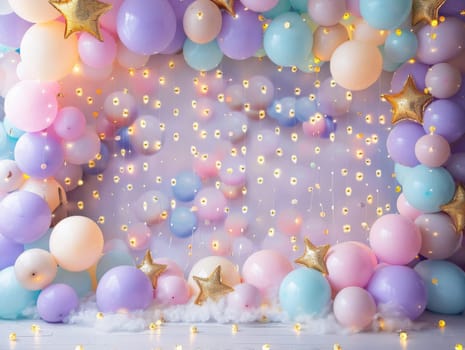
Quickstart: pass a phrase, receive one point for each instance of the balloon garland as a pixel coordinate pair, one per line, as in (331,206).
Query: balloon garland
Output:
(97,180)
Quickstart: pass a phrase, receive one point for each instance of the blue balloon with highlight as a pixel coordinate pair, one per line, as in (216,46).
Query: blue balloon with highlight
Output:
(183,222)
(202,57)
(186,185)
(382,14)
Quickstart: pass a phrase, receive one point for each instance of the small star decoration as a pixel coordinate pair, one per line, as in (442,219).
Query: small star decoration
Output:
(227,5)
(456,209)
(314,257)
(409,103)
(426,10)
(211,287)
(151,269)
(81,15)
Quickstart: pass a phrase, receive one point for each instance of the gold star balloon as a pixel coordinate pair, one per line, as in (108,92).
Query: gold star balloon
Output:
(227,5)
(211,287)
(426,10)
(151,269)
(456,208)
(81,15)
(409,103)
(314,257)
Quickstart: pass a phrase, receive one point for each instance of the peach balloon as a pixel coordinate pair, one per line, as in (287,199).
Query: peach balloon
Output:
(35,269)
(355,65)
(327,39)
(49,189)
(76,242)
(46,54)
(204,267)
(366,33)
(34,11)
(202,21)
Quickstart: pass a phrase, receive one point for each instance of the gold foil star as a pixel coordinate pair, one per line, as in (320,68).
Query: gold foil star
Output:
(227,5)
(409,103)
(151,269)
(81,15)
(426,10)
(314,257)
(211,287)
(456,208)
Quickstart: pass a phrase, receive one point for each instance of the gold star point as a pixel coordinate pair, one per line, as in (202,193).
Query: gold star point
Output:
(211,287)
(409,103)
(227,5)
(426,10)
(150,269)
(314,256)
(456,209)
(81,15)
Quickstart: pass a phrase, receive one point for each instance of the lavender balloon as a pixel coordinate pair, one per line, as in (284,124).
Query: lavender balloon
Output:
(124,288)
(12,29)
(56,302)
(401,143)
(9,251)
(398,291)
(146,27)
(416,70)
(456,166)
(446,117)
(39,154)
(241,35)
(24,216)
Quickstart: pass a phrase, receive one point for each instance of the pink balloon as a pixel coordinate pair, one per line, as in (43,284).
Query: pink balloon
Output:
(432,150)
(41,108)
(172,268)
(349,264)
(244,297)
(265,270)
(443,80)
(259,5)
(211,204)
(327,39)
(84,149)
(395,239)
(405,209)
(354,308)
(171,290)
(138,236)
(289,221)
(326,12)
(236,224)
(95,53)
(70,123)
(108,20)
(316,126)
(202,21)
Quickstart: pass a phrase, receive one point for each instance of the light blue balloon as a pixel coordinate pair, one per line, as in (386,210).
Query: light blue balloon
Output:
(202,57)
(112,259)
(401,172)
(183,222)
(79,281)
(300,5)
(281,7)
(14,299)
(382,14)
(304,292)
(426,189)
(11,130)
(283,111)
(186,185)
(305,109)
(288,40)
(400,47)
(445,283)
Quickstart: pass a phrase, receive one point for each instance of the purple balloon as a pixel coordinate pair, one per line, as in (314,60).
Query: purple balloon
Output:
(447,42)
(452,8)
(446,117)
(459,97)
(24,216)
(456,166)
(241,35)
(12,29)
(401,142)
(416,70)
(56,302)
(398,290)
(124,288)
(146,27)
(9,251)
(39,154)
(177,43)
(458,146)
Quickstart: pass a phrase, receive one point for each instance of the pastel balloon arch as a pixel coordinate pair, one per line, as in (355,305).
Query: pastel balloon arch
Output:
(279,160)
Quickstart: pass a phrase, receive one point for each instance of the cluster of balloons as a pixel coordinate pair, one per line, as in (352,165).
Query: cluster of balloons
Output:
(51,144)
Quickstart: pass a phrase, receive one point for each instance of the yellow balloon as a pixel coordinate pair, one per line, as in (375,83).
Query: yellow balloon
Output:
(35,11)
(46,54)
(76,242)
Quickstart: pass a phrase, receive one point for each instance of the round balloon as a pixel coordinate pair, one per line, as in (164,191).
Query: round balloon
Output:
(354,308)
(35,269)
(56,302)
